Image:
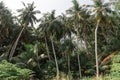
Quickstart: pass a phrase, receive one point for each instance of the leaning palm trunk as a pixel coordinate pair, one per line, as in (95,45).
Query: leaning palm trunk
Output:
(57,68)
(15,44)
(48,53)
(96,53)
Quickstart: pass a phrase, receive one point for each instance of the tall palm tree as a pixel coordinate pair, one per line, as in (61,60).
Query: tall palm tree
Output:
(67,45)
(51,27)
(78,17)
(100,13)
(42,31)
(67,33)
(27,16)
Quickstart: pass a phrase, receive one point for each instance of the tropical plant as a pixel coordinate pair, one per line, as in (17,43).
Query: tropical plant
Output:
(101,12)
(51,28)
(10,71)
(27,17)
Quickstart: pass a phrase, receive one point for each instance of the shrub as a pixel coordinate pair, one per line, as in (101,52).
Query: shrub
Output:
(9,71)
(115,69)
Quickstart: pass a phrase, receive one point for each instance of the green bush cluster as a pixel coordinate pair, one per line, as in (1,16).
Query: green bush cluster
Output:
(115,69)
(10,71)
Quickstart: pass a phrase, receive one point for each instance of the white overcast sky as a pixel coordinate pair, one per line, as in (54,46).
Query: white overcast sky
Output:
(44,5)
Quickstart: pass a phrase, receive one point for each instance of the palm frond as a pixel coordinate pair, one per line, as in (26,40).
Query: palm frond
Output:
(76,5)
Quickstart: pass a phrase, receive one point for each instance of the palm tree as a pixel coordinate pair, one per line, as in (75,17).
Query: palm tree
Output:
(75,12)
(78,17)
(67,46)
(27,17)
(67,36)
(100,13)
(42,32)
(51,28)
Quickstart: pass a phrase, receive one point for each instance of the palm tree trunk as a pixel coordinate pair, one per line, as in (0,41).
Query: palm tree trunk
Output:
(48,53)
(68,61)
(96,53)
(15,44)
(79,65)
(53,48)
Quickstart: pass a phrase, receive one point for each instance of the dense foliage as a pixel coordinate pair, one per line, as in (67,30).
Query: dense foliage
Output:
(83,42)
(10,71)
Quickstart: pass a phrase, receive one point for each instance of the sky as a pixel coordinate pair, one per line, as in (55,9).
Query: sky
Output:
(44,5)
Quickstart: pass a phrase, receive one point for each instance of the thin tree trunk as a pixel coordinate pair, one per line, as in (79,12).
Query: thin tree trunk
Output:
(57,68)
(48,53)
(68,60)
(15,44)
(79,65)
(96,53)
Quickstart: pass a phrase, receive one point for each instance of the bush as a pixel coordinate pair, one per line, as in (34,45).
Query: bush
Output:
(115,69)
(10,71)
